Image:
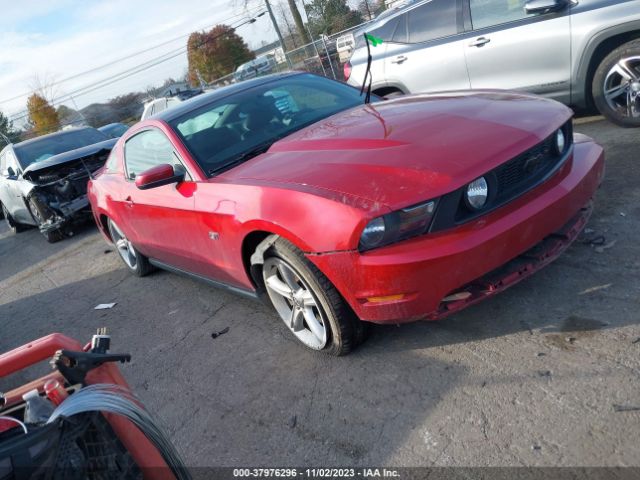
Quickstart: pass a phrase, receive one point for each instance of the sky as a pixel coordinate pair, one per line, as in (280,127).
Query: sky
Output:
(47,41)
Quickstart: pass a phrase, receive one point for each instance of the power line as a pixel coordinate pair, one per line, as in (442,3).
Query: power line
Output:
(131,55)
(130,72)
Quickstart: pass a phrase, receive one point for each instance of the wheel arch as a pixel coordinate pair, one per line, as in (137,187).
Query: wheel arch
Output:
(250,243)
(104,225)
(383,90)
(598,48)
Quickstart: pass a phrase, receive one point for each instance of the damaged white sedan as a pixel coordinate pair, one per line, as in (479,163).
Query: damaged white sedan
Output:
(43,181)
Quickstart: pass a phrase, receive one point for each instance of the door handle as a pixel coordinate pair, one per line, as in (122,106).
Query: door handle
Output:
(128,201)
(479,42)
(399,59)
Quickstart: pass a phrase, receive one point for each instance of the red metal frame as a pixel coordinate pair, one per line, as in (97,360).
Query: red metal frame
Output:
(143,452)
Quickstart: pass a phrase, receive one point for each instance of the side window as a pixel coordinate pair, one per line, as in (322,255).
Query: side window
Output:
(401,35)
(385,32)
(435,19)
(146,150)
(486,13)
(10,161)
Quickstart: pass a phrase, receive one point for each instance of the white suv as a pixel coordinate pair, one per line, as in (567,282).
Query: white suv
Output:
(580,52)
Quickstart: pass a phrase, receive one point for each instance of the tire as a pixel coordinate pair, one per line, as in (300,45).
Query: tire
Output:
(301,294)
(14,226)
(52,236)
(135,262)
(619,75)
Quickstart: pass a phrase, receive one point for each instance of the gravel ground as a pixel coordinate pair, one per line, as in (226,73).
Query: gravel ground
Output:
(530,377)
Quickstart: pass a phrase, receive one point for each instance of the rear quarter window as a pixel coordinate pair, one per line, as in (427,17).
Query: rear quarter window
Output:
(432,20)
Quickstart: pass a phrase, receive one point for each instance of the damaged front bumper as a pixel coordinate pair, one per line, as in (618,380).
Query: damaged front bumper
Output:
(430,277)
(51,218)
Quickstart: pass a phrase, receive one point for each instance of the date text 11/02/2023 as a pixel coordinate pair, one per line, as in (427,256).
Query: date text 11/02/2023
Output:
(316,472)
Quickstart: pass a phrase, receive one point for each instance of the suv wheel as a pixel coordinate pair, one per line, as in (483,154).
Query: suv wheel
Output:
(616,85)
(137,263)
(52,236)
(308,303)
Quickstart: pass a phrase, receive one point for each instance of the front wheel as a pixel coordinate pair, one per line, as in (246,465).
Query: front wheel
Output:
(52,236)
(308,303)
(137,263)
(616,85)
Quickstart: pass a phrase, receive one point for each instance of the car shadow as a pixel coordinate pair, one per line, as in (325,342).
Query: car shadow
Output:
(27,248)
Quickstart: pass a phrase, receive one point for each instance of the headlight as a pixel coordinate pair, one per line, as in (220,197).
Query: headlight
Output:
(477,193)
(373,233)
(397,226)
(561,141)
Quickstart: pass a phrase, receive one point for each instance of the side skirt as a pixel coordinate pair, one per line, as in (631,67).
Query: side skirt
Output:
(240,291)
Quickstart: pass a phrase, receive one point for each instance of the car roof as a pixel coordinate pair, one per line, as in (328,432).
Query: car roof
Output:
(206,98)
(51,135)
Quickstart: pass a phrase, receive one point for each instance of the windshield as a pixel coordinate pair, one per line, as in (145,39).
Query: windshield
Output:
(42,148)
(242,125)
(114,130)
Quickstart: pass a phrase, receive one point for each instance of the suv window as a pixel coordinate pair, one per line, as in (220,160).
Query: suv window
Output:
(9,160)
(435,19)
(486,13)
(146,150)
(385,32)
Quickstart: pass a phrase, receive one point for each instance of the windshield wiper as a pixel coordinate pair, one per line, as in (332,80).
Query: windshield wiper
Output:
(244,156)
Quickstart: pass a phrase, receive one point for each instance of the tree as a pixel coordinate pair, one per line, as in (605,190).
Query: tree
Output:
(367,9)
(331,16)
(289,33)
(297,18)
(215,53)
(42,115)
(6,130)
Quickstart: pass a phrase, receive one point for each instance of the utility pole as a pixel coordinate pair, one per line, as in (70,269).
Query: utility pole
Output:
(275,25)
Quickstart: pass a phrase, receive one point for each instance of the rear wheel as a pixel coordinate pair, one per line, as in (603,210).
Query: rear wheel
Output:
(308,303)
(137,263)
(616,85)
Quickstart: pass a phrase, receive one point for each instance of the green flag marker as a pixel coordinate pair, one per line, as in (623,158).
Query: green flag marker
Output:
(374,41)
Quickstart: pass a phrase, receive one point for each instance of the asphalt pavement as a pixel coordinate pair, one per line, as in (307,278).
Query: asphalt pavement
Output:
(534,376)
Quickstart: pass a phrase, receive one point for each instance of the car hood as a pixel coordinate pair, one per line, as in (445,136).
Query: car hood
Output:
(66,157)
(400,152)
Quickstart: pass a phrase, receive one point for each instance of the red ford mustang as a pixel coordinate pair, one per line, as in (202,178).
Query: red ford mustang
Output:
(341,213)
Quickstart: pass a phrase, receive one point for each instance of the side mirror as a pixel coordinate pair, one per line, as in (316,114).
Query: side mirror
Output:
(159,175)
(11,173)
(544,6)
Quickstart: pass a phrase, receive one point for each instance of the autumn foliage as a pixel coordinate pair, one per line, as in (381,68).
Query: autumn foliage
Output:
(215,53)
(42,115)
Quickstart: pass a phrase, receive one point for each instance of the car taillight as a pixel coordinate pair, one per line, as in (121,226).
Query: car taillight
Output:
(347,70)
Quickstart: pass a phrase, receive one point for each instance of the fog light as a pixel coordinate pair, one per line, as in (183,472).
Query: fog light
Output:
(477,193)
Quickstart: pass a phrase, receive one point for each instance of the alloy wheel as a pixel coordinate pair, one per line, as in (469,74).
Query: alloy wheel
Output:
(124,246)
(295,303)
(622,87)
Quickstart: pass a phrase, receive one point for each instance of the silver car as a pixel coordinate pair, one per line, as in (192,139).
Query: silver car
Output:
(580,52)
(43,181)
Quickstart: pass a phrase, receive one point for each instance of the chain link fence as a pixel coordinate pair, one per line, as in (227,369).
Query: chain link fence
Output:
(324,56)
